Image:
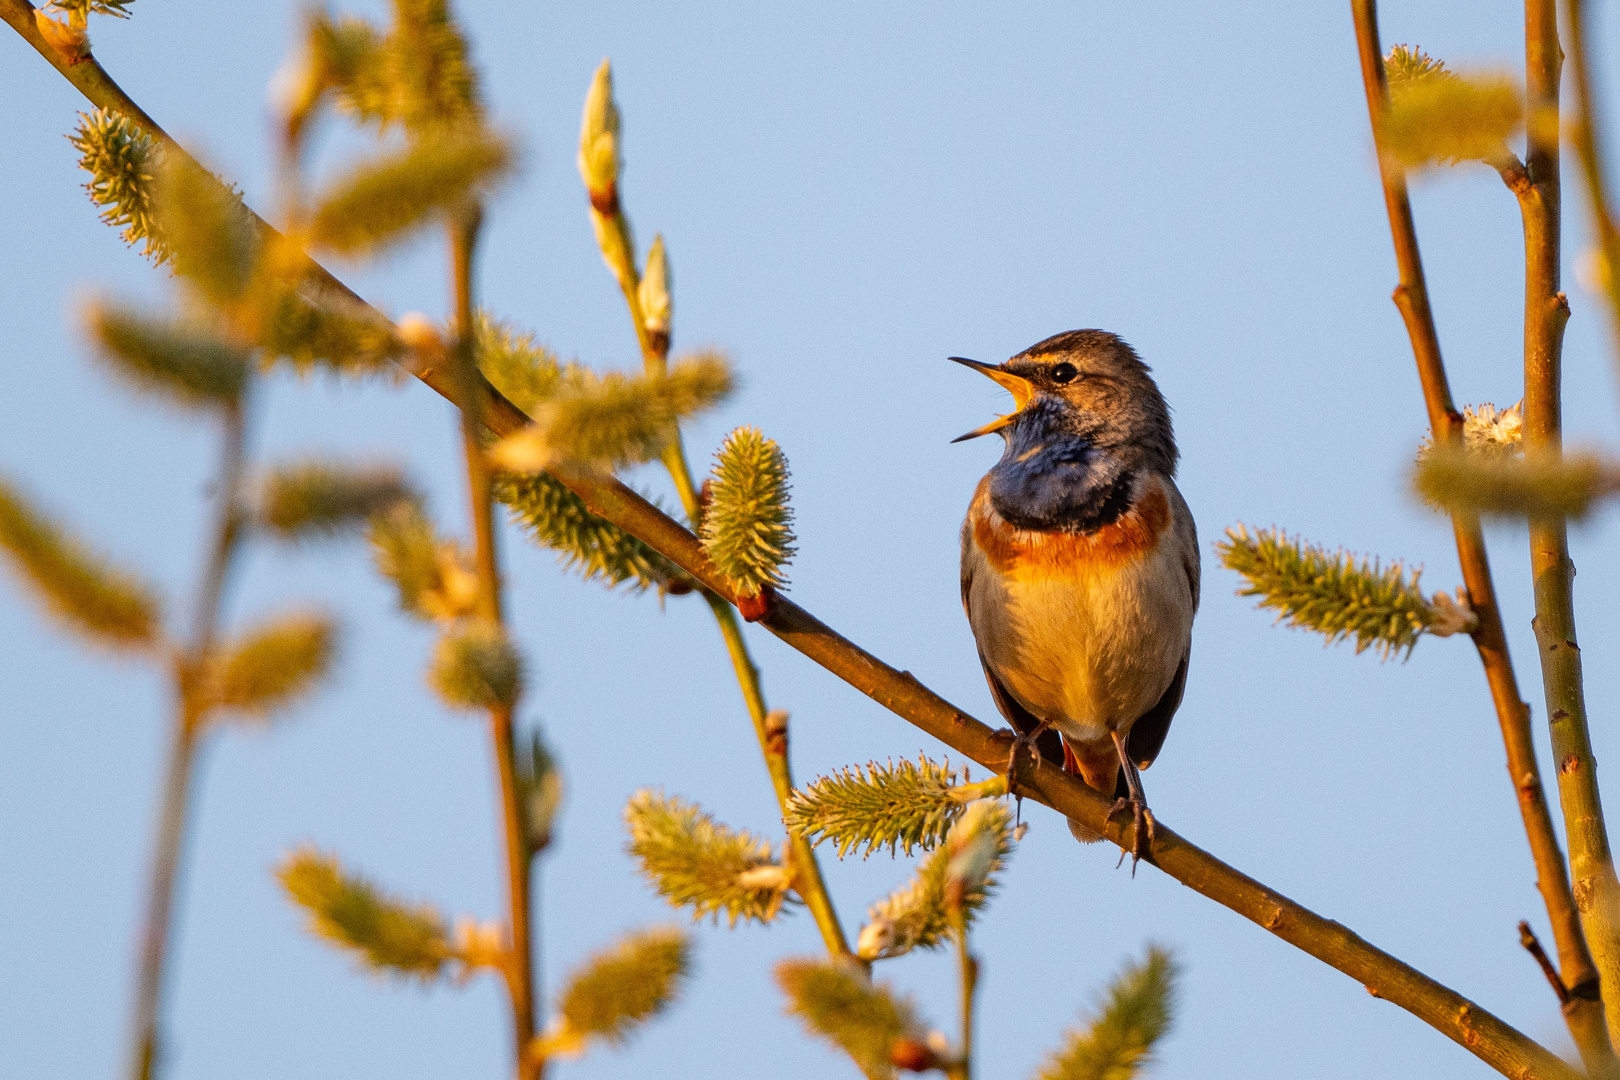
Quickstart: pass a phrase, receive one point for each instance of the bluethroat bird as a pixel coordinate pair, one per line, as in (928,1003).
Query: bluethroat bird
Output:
(1080,565)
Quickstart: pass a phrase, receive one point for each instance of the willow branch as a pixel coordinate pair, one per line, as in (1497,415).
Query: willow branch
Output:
(1496,1043)
(1546,312)
(520,972)
(1527,938)
(1586,132)
(968,971)
(1585,1016)
(772,733)
(179,771)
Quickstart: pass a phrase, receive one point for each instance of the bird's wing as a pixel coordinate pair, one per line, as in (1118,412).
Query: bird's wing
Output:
(1187,533)
(1049,742)
(1147,734)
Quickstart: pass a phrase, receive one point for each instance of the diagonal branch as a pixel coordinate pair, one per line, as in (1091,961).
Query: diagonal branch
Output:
(1584,1014)
(1481,1033)
(180,774)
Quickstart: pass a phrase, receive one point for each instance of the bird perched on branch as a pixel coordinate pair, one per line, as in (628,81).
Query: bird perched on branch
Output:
(1080,565)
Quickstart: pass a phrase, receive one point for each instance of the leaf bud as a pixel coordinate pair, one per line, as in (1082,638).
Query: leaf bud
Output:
(656,305)
(913,1055)
(599,143)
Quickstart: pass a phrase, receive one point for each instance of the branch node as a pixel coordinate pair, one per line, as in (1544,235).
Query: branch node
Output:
(606,202)
(1585,990)
(758,606)
(776,732)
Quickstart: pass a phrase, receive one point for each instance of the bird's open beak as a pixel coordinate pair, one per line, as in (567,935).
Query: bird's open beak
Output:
(1022,392)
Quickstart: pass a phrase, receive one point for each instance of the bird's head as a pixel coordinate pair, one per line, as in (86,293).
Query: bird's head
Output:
(1088,385)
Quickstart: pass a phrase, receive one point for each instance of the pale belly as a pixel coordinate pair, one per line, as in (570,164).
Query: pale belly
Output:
(1088,654)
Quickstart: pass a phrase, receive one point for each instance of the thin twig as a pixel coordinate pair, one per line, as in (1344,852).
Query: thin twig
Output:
(1527,938)
(520,974)
(1481,1033)
(179,774)
(1546,312)
(807,879)
(1586,132)
(1586,1023)
(968,969)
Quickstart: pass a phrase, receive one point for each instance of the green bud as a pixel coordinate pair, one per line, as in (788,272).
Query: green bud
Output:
(599,142)
(656,305)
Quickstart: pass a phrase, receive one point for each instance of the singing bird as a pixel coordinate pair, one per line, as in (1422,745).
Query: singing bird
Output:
(1080,565)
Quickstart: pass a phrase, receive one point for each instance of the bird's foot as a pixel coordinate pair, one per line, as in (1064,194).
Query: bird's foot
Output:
(1022,741)
(1143,827)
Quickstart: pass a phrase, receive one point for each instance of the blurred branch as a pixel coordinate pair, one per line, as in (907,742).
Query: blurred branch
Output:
(1481,1033)
(1585,132)
(1586,1024)
(1546,312)
(190,714)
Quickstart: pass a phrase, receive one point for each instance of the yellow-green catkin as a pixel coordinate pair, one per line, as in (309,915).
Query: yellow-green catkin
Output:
(837,1001)
(1330,592)
(1117,1042)
(695,862)
(385,934)
(270,666)
(747,528)
(616,991)
(90,596)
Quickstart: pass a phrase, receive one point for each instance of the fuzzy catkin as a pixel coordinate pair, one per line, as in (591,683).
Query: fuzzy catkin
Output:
(747,528)
(1331,593)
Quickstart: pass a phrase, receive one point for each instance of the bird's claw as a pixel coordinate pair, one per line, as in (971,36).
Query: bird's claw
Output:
(1022,740)
(1142,826)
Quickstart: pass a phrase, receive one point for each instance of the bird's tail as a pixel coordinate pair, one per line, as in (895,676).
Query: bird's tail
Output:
(1098,765)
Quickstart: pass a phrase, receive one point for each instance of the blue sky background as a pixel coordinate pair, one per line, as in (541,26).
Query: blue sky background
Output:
(850,193)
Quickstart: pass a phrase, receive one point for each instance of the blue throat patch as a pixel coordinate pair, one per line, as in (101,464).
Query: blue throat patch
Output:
(1051,480)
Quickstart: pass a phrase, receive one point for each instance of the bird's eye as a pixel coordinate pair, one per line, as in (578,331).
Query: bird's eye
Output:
(1064,373)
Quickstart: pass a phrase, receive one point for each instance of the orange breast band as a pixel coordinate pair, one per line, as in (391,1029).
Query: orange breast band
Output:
(1131,536)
